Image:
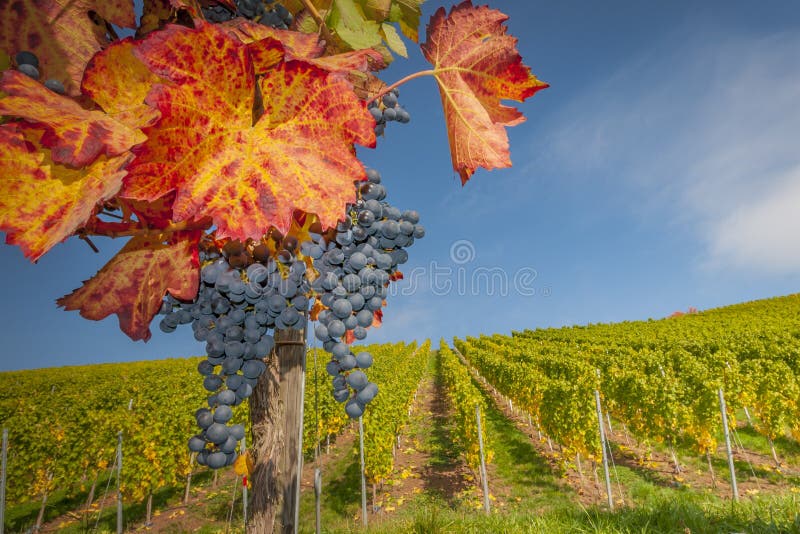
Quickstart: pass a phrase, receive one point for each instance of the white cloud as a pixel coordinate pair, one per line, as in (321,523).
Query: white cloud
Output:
(763,233)
(705,129)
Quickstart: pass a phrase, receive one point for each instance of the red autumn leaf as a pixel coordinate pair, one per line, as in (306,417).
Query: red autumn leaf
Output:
(75,135)
(41,202)
(61,33)
(476,66)
(133,283)
(247,172)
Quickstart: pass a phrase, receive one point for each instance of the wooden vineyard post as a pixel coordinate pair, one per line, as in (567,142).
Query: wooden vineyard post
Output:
(484,482)
(727,433)
(275,414)
(3,461)
(603,447)
(299,434)
(363,478)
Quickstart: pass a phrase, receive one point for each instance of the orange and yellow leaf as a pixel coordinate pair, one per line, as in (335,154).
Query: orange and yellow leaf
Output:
(118,82)
(41,202)
(75,135)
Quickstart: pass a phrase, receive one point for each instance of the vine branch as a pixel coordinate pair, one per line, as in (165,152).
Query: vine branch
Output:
(326,33)
(131,228)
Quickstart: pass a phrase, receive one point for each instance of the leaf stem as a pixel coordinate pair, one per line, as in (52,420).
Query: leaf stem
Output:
(431,72)
(319,20)
(398,83)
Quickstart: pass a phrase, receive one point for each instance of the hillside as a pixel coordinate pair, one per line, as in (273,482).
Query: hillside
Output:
(658,382)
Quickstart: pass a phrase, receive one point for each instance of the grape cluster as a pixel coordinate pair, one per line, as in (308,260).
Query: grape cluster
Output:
(388,110)
(249,289)
(243,294)
(355,265)
(276,16)
(28,64)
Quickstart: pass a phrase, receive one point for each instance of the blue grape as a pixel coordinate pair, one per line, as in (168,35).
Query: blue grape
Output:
(347,362)
(217,433)
(216,460)
(341,395)
(364,360)
(237,432)
(226,397)
(357,380)
(212,382)
(204,418)
(196,444)
(367,394)
(354,409)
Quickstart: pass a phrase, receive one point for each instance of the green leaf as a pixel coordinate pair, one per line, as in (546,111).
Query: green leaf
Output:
(393,39)
(350,24)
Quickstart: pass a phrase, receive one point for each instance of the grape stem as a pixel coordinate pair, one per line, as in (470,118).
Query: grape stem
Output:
(318,18)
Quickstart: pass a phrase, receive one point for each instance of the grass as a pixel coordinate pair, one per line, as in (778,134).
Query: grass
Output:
(660,515)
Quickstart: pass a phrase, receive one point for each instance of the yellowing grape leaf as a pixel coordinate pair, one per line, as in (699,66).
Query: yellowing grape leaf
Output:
(133,283)
(377,9)
(118,82)
(407,14)
(476,66)
(41,202)
(75,135)
(243,465)
(246,172)
(62,33)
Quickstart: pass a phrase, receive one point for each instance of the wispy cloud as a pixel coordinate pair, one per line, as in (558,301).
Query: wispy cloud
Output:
(705,130)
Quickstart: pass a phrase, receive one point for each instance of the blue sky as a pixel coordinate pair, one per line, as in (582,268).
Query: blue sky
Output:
(661,170)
